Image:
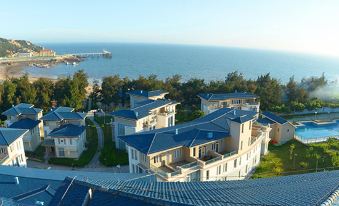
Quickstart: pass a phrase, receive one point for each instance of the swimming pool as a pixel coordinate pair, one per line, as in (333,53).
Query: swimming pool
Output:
(314,132)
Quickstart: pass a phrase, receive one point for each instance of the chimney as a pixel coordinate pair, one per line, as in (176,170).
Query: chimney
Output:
(210,135)
(176,131)
(234,112)
(16,179)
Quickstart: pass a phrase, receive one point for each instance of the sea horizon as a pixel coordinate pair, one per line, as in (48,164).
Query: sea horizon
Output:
(208,62)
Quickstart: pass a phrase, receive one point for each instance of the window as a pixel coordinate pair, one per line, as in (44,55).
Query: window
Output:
(207,175)
(219,170)
(200,152)
(217,147)
(58,141)
(132,151)
(70,141)
(156,159)
(249,126)
(288,130)
(177,153)
(241,145)
(242,128)
(194,152)
(225,167)
(213,146)
(235,163)
(239,161)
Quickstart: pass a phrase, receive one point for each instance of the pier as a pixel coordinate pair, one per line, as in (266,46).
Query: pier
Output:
(104,53)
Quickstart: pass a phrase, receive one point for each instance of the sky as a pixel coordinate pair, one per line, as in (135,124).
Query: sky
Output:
(308,26)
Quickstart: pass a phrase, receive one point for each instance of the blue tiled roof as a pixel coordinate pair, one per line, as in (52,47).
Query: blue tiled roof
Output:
(274,117)
(67,130)
(9,135)
(143,109)
(147,93)
(25,124)
(62,113)
(20,109)
(211,127)
(265,121)
(294,190)
(29,190)
(224,96)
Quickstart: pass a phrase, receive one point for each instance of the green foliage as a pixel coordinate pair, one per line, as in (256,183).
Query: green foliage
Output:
(37,155)
(269,90)
(109,155)
(320,155)
(44,88)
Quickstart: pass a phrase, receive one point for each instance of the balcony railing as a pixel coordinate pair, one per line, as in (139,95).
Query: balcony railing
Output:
(230,154)
(213,160)
(166,113)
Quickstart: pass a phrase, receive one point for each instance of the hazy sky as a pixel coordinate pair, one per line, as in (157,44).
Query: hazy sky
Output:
(298,25)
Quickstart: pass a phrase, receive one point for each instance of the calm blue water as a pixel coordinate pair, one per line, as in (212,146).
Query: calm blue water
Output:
(312,130)
(210,63)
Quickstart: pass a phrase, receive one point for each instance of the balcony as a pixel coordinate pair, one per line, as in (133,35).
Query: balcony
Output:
(166,113)
(175,169)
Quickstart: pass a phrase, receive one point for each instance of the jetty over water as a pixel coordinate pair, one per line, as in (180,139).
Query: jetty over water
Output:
(104,53)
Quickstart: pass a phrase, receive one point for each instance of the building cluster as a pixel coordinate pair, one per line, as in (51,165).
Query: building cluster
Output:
(41,53)
(225,144)
(61,131)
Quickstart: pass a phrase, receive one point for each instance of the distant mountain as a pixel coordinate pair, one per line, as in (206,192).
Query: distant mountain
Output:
(10,47)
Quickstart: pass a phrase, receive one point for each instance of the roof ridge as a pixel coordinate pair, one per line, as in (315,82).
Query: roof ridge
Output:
(3,137)
(149,148)
(195,137)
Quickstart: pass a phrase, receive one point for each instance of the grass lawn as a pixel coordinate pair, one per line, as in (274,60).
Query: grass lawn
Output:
(109,155)
(103,119)
(37,155)
(87,155)
(279,161)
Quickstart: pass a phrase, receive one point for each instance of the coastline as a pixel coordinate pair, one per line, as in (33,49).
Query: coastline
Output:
(15,69)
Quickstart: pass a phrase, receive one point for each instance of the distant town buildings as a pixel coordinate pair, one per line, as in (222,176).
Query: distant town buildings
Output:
(149,110)
(26,116)
(65,132)
(224,145)
(211,102)
(12,151)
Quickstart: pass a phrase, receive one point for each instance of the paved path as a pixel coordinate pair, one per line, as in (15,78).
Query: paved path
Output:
(95,163)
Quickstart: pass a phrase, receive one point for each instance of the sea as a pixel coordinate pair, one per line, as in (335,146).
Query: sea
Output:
(205,62)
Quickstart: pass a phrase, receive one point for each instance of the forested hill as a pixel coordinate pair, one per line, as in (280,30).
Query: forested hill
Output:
(9,47)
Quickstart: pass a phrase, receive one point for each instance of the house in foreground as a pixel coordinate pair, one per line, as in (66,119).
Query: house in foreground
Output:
(211,102)
(65,132)
(282,130)
(146,114)
(224,145)
(12,151)
(26,116)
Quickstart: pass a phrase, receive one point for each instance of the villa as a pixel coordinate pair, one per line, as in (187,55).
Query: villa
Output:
(65,132)
(149,111)
(211,102)
(12,151)
(26,116)
(224,145)
(282,130)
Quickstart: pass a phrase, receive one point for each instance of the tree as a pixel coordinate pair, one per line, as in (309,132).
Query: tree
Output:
(111,87)
(45,88)
(25,92)
(95,95)
(269,91)
(8,94)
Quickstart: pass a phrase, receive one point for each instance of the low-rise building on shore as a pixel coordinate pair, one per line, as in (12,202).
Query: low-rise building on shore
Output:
(211,102)
(224,145)
(12,151)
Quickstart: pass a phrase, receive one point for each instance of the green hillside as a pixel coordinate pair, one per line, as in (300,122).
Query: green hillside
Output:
(9,47)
